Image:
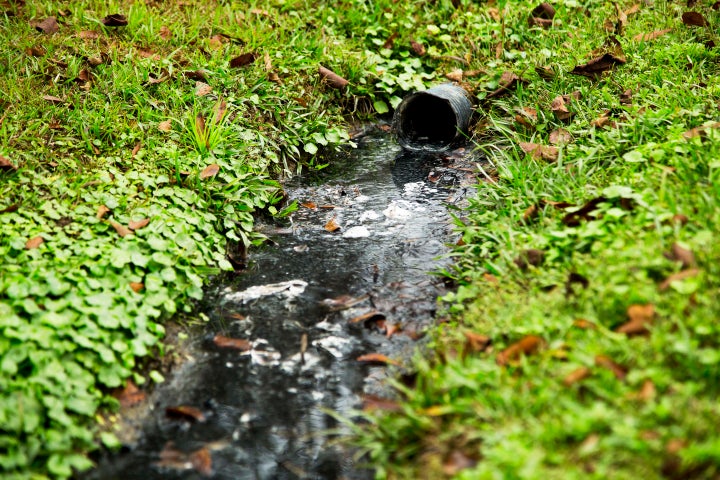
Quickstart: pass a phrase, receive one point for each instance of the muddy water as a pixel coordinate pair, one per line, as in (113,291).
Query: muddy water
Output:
(260,410)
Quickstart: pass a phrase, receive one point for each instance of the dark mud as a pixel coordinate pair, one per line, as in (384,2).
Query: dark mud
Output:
(308,305)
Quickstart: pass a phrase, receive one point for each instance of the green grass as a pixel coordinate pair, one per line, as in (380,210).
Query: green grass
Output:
(655,416)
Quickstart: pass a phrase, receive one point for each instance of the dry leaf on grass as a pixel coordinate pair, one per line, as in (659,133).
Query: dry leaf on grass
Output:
(121,230)
(508,81)
(34,243)
(475,342)
(560,136)
(137,224)
(6,164)
(210,171)
(528,345)
(694,19)
(537,151)
(646,37)
(243,60)
(678,277)
(47,26)
(576,376)
(640,317)
(115,20)
(165,126)
(608,363)
(202,89)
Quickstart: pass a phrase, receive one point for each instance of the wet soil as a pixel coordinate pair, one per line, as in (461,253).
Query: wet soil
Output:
(278,357)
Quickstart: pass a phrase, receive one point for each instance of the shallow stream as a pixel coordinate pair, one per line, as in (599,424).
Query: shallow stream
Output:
(282,342)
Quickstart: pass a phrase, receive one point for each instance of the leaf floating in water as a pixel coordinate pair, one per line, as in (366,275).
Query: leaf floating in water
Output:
(332,225)
(377,359)
(228,342)
(184,412)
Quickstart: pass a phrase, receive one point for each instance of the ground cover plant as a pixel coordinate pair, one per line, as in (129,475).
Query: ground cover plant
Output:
(138,141)
(582,340)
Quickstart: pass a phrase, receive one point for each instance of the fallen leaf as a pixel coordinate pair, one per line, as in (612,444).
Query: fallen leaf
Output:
(331,78)
(184,412)
(201,461)
(392,329)
(647,391)
(165,32)
(210,171)
(88,35)
(694,19)
(202,89)
(53,100)
(6,164)
(220,111)
(390,42)
(602,120)
(542,16)
(526,116)
(606,362)
(195,75)
(84,76)
(310,205)
(115,20)
(243,60)
(546,73)
(537,151)
(575,279)
(530,213)
(530,257)
(138,224)
(678,253)
(129,396)
(11,208)
(369,317)
(646,37)
(584,324)
(640,316)
(475,342)
(121,230)
(417,47)
(135,149)
(528,345)
(377,358)
(700,131)
(456,75)
(573,219)
(47,26)
(560,103)
(508,81)
(102,211)
(576,376)
(332,225)
(677,277)
(597,66)
(165,126)
(36,51)
(456,462)
(633,9)
(137,287)
(373,403)
(34,243)
(560,136)
(228,342)
(626,97)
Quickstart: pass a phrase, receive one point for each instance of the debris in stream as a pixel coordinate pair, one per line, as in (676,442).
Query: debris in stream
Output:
(236,343)
(185,412)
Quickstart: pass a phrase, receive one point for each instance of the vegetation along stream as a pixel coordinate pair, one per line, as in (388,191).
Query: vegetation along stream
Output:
(315,323)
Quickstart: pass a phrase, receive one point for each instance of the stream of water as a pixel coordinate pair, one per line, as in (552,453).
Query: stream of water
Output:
(309,304)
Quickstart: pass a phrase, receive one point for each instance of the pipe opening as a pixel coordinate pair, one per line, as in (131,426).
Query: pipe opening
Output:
(427,121)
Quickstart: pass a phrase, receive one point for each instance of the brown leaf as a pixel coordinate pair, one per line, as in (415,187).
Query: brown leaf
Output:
(456,462)
(165,32)
(201,461)
(417,47)
(11,208)
(475,342)
(573,219)
(202,89)
(121,230)
(633,9)
(195,75)
(137,287)
(184,412)
(546,73)
(390,42)
(456,75)
(368,317)
(530,257)
(677,277)
(530,213)
(102,211)
(236,343)
(694,19)
(165,126)
(47,26)
(700,131)
(138,224)
(88,35)
(640,316)
(626,97)
(508,81)
(331,78)
(537,151)
(36,51)
(576,376)
(647,391)
(373,403)
(528,345)
(310,205)
(210,171)
(84,76)
(602,120)
(220,111)
(377,358)
(560,136)
(542,15)
(6,164)
(53,100)
(597,66)
(575,279)
(606,362)
(136,149)
(332,225)
(243,60)
(129,396)
(646,37)
(678,253)
(559,107)
(34,243)
(115,20)
(539,22)
(584,324)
